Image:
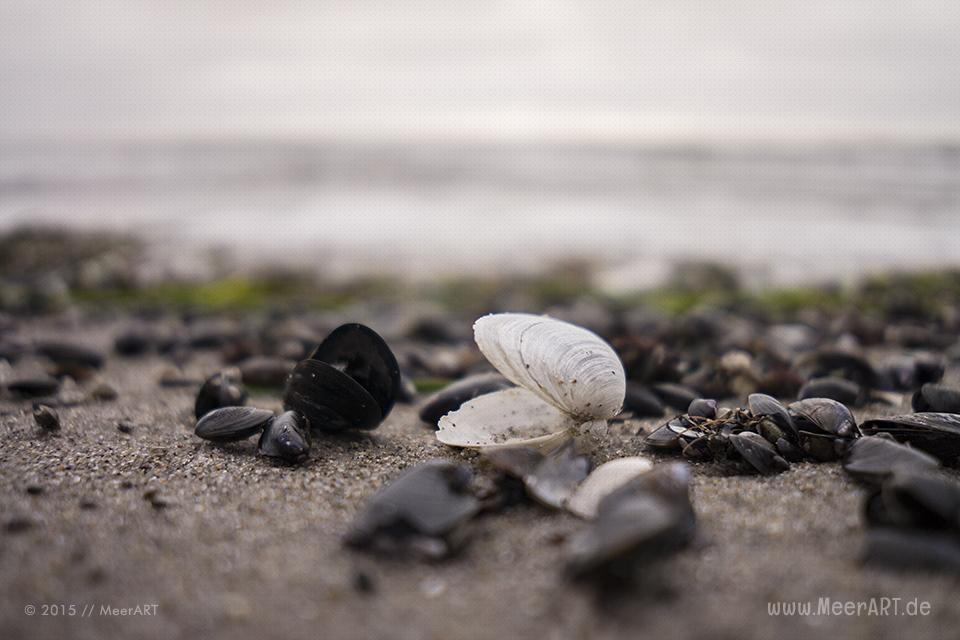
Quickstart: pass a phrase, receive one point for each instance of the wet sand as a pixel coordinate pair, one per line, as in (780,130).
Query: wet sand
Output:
(247,548)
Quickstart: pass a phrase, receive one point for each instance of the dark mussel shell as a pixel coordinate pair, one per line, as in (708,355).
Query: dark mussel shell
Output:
(641,401)
(645,520)
(873,459)
(286,436)
(847,364)
(908,549)
(266,371)
(219,390)
(451,397)
(351,381)
(758,453)
(675,396)
(844,391)
(229,424)
(937,398)
(422,511)
(825,416)
(34,387)
(935,433)
(762,405)
(362,354)
(69,354)
(916,500)
(703,408)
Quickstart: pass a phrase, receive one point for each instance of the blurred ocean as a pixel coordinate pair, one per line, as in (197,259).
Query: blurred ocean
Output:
(780,214)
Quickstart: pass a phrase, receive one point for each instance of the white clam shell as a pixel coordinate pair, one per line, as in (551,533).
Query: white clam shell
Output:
(603,481)
(507,418)
(568,366)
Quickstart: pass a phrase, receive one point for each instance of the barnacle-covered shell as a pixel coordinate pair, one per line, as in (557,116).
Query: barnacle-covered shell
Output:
(567,366)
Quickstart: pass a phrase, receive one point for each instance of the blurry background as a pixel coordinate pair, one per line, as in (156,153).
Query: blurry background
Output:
(795,142)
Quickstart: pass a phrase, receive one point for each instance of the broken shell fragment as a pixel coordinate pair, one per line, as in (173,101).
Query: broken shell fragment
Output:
(229,424)
(603,481)
(287,437)
(422,511)
(555,478)
(452,397)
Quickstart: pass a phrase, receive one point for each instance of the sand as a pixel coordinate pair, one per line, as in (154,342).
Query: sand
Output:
(247,548)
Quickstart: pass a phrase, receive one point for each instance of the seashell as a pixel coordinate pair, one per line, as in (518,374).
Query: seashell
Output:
(554,480)
(266,371)
(568,366)
(350,381)
(46,418)
(512,417)
(451,397)
(33,386)
(872,459)
(936,433)
(937,398)
(423,511)
(644,521)
(758,453)
(642,402)
(286,436)
(219,390)
(603,481)
(703,408)
(839,389)
(675,396)
(570,381)
(825,416)
(69,354)
(232,423)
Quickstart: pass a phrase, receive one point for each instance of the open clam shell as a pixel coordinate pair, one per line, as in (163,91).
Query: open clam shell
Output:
(569,367)
(507,418)
(351,381)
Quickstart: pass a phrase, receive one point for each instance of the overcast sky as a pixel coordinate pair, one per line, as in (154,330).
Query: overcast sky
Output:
(468,68)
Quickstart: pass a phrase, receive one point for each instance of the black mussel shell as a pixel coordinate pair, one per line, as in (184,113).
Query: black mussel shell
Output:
(937,398)
(848,364)
(35,387)
(758,453)
(219,390)
(823,415)
(266,371)
(642,402)
(228,424)
(872,459)
(451,397)
(703,408)
(916,500)
(134,342)
(422,511)
(287,436)
(329,399)
(912,550)
(46,418)
(675,396)
(361,353)
(936,433)
(844,391)
(69,354)
(555,478)
(643,521)
(762,405)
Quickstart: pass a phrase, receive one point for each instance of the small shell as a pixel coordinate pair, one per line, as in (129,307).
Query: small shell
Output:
(604,480)
(512,417)
(569,367)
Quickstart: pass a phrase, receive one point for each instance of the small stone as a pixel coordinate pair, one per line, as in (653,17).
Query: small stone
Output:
(88,504)
(35,489)
(103,392)
(124,427)
(18,524)
(363,582)
(46,418)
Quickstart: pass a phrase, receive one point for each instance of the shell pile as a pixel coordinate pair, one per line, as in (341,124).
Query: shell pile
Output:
(569,382)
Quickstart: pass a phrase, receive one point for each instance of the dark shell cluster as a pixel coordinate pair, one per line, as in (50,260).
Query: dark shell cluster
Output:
(763,438)
(350,381)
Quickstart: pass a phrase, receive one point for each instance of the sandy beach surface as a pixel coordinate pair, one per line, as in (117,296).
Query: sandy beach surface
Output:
(246,548)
